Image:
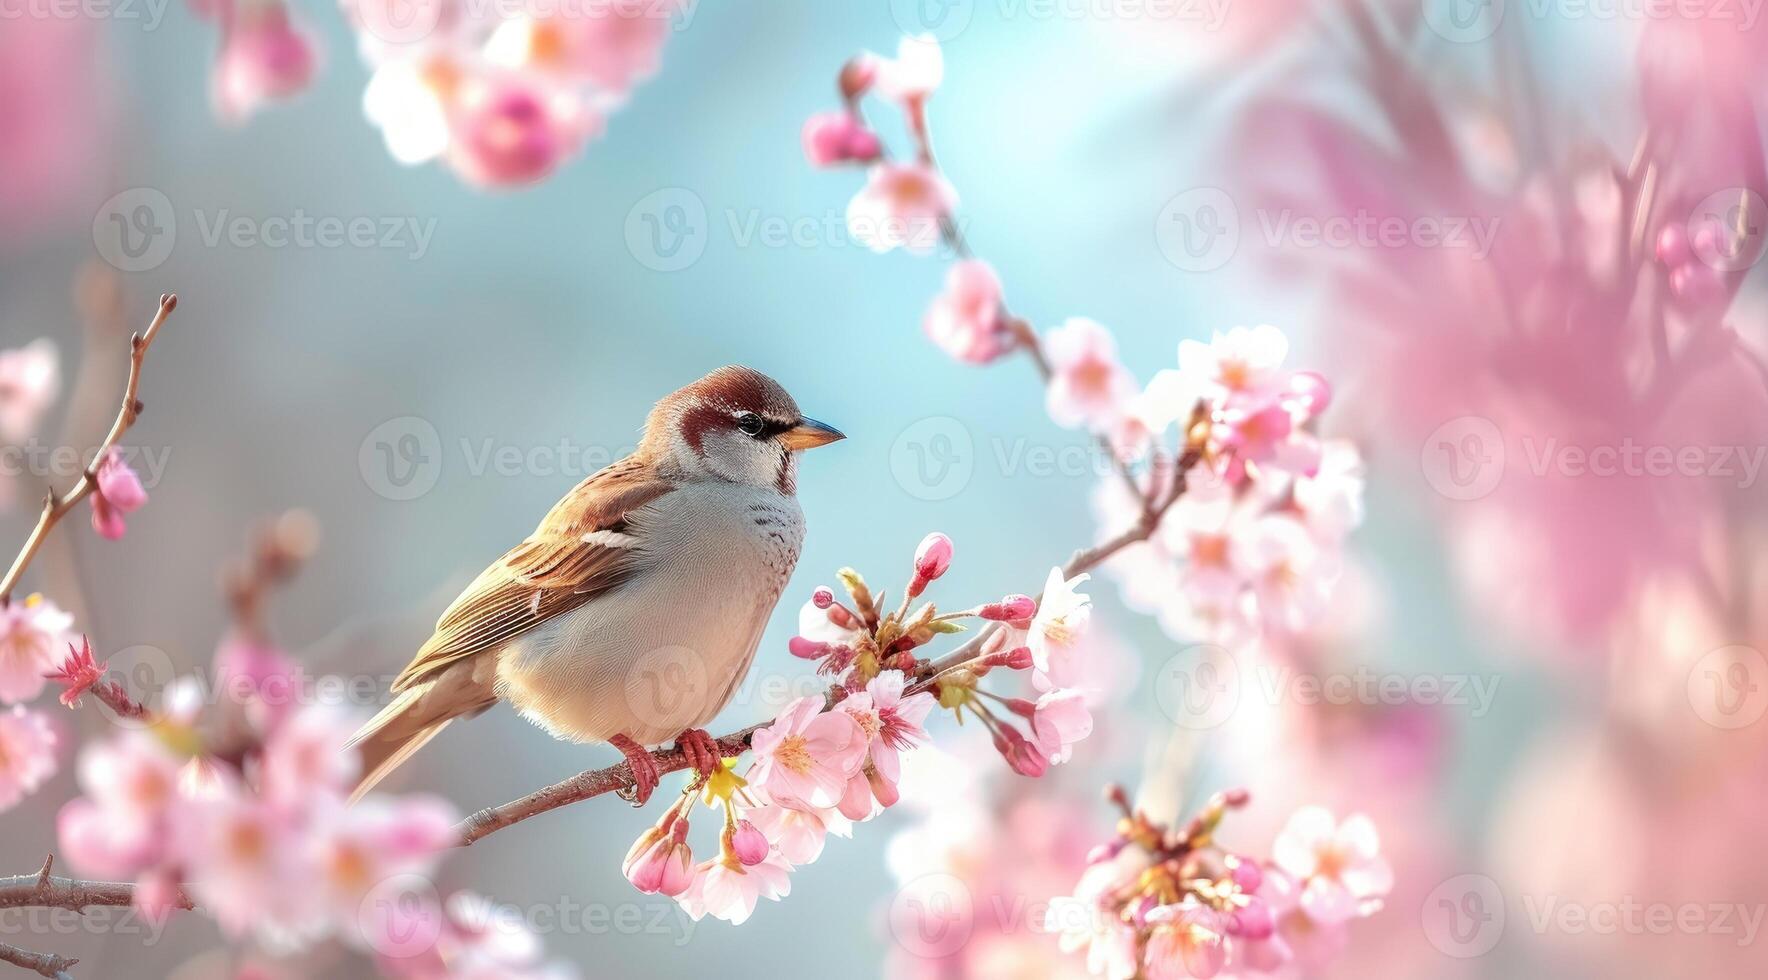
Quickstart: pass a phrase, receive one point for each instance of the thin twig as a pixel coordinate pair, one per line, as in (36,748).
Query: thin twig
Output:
(56,507)
(47,964)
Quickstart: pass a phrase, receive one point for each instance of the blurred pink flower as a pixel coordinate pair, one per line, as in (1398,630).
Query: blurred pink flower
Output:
(118,492)
(30,379)
(509,129)
(266,56)
(1186,941)
(965,320)
(309,754)
(358,847)
(1242,368)
(56,85)
(123,823)
(1339,865)
(1088,387)
(32,635)
(27,754)
(609,44)
(901,205)
(1290,573)
(832,138)
(915,72)
(807,755)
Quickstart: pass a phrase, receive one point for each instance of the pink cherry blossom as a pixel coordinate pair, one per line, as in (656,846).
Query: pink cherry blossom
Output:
(307,755)
(355,848)
(1239,368)
(33,633)
(1062,616)
(1339,865)
(832,138)
(27,754)
(30,378)
(797,835)
(124,821)
(730,891)
(901,205)
(807,755)
(1267,436)
(609,44)
(1186,941)
(118,492)
(509,129)
(1061,719)
(1290,572)
(265,56)
(915,72)
(965,319)
(1330,499)
(1088,387)
(246,863)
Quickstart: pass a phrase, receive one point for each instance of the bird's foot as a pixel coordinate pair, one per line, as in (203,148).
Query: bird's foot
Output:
(701,750)
(644,771)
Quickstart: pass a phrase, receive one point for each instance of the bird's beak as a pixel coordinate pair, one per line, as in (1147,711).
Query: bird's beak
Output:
(809,434)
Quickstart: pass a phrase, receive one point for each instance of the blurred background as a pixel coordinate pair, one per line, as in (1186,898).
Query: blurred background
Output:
(1165,169)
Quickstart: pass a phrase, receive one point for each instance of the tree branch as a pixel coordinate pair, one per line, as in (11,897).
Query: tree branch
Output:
(56,507)
(596,782)
(47,964)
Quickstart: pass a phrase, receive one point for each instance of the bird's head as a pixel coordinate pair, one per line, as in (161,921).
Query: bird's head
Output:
(735,424)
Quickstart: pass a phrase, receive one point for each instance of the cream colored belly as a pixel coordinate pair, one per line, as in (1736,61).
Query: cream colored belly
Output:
(659,655)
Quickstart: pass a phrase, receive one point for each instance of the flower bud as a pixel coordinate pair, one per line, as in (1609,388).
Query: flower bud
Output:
(1024,757)
(806,649)
(748,844)
(932,559)
(823,597)
(1011,609)
(1672,245)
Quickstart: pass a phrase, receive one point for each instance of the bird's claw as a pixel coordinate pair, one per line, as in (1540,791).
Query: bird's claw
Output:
(644,771)
(700,749)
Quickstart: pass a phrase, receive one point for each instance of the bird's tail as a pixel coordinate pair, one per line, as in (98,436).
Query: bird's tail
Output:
(393,735)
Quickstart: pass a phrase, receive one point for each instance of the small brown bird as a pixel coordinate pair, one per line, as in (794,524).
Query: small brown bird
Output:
(633,611)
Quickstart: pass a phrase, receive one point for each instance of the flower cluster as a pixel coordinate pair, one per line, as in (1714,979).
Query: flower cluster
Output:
(259,833)
(31,630)
(504,99)
(1260,503)
(824,764)
(1165,905)
(266,55)
(1253,544)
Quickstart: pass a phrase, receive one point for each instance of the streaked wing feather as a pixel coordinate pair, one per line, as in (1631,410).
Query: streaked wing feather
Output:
(551,573)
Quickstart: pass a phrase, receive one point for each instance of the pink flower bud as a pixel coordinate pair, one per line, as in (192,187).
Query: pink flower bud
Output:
(857,75)
(823,597)
(1022,707)
(117,491)
(932,559)
(805,649)
(666,867)
(832,138)
(1245,872)
(1018,658)
(748,844)
(1672,246)
(1020,753)
(1252,921)
(1010,609)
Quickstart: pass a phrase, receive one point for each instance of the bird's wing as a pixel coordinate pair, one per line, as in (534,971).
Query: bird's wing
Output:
(583,548)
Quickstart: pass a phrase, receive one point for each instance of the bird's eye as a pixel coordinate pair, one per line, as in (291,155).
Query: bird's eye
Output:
(750,424)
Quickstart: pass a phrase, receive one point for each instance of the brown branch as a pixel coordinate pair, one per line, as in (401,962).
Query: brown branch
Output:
(596,782)
(44,890)
(56,507)
(279,550)
(47,964)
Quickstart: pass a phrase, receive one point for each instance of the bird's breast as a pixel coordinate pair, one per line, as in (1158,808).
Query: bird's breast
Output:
(664,651)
